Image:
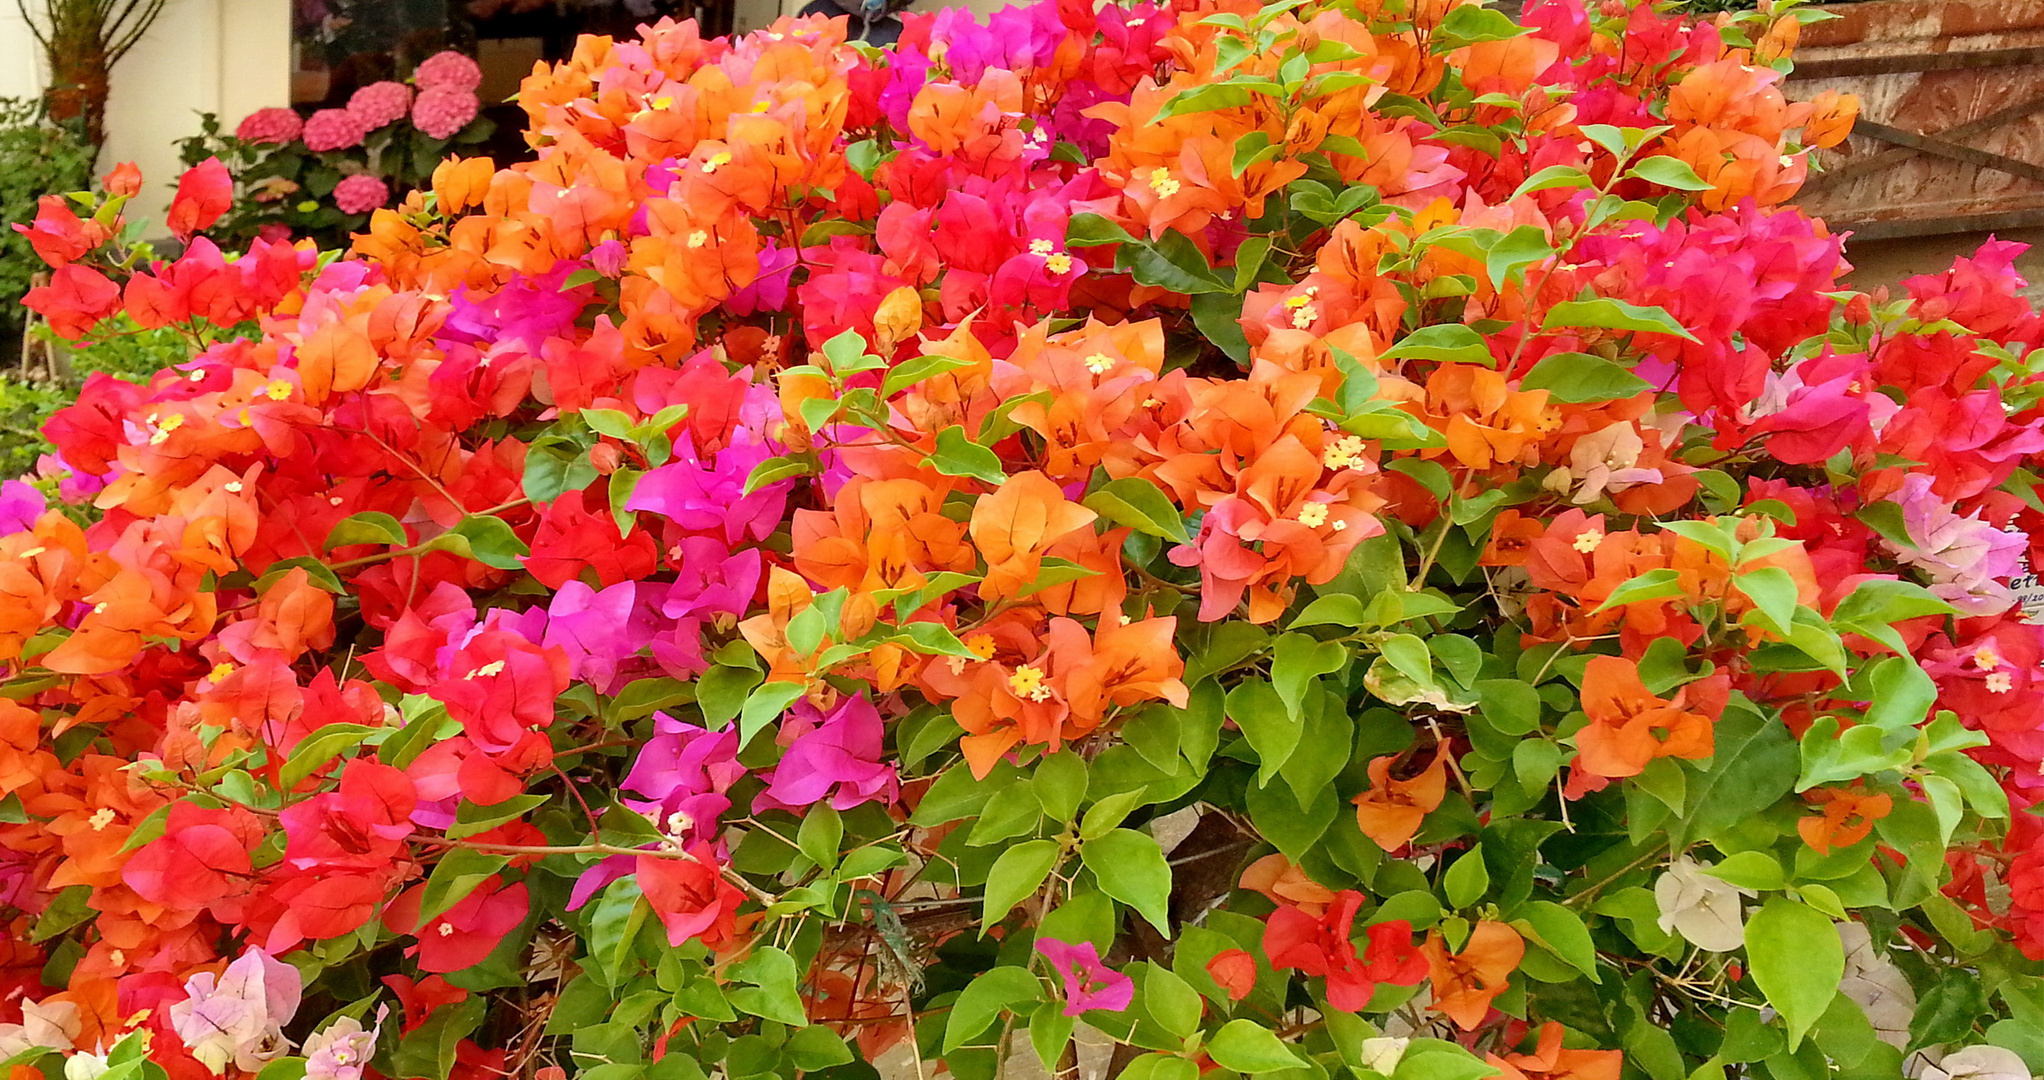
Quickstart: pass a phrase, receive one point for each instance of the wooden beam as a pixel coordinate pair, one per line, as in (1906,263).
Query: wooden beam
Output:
(1908,227)
(1894,65)
(1941,148)
(1858,167)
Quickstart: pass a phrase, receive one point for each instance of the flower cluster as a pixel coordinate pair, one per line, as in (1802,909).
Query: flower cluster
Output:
(1307,537)
(322,175)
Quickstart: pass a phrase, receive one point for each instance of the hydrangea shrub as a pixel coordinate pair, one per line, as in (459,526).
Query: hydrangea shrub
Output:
(1310,540)
(322,175)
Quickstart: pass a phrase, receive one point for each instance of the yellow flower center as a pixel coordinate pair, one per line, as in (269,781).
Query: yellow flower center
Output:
(1059,264)
(1986,658)
(1027,682)
(220,671)
(101,818)
(717,161)
(1346,453)
(1587,540)
(1041,247)
(698,238)
(2001,682)
(1313,515)
(278,390)
(1161,182)
(1099,363)
(494,667)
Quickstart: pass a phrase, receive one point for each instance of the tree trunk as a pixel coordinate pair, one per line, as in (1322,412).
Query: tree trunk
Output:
(80,83)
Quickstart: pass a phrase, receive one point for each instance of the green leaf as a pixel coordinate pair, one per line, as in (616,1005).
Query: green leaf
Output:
(1575,378)
(1219,318)
(1947,1010)
(1555,176)
(1060,784)
(915,369)
(821,832)
(765,705)
(814,1049)
(1019,872)
(1296,662)
(1468,24)
(1604,313)
(428,1050)
(1445,342)
(367,527)
(774,470)
(1092,230)
(721,693)
(1516,250)
(1902,696)
(491,542)
(773,995)
(1755,765)
(454,877)
(1170,262)
(1797,960)
(1270,726)
(985,998)
(958,455)
(1669,172)
(1246,1046)
(1658,584)
(71,907)
(1140,505)
(317,749)
(1756,870)
(1829,755)
(470,819)
(1467,879)
(1562,932)
(1131,868)
(1171,1001)
(1050,1031)
(1773,592)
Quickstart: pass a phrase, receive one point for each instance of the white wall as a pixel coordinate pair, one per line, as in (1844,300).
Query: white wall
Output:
(21,60)
(230,57)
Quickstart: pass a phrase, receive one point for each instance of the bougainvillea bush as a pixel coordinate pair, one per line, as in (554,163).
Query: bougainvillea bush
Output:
(1288,542)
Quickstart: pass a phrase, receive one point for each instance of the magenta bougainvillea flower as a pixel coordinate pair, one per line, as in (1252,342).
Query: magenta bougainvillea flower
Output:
(1089,984)
(831,757)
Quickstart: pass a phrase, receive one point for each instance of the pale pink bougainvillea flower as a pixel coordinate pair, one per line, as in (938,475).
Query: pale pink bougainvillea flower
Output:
(1703,909)
(238,1017)
(343,1049)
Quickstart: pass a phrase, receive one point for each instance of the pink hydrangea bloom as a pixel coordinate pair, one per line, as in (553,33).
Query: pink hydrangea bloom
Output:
(360,193)
(380,103)
(448,71)
(268,127)
(333,129)
(441,111)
